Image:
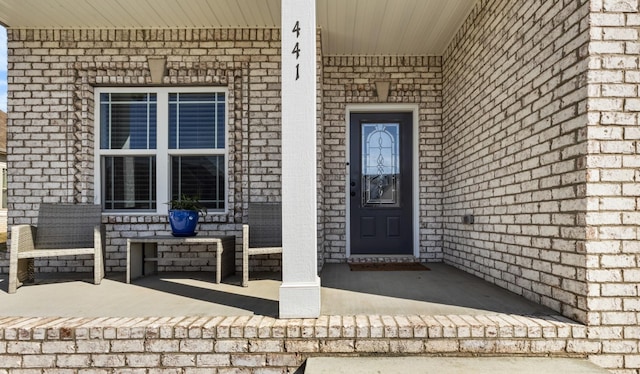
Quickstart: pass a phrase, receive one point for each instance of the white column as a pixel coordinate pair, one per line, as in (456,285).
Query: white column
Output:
(300,290)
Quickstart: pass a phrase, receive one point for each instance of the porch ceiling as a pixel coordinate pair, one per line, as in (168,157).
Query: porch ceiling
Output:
(350,27)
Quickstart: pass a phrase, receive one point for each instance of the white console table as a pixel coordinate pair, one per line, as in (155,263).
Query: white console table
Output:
(142,254)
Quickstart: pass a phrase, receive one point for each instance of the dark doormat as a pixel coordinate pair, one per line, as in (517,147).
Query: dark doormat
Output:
(387,266)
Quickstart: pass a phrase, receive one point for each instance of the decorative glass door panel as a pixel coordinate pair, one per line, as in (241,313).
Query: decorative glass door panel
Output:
(380,164)
(380,183)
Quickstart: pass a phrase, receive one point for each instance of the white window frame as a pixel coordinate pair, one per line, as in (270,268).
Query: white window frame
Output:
(162,152)
(3,185)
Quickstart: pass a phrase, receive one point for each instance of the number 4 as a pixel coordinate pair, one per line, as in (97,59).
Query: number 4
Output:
(296,29)
(296,51)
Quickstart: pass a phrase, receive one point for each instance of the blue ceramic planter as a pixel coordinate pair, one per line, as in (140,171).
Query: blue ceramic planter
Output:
(183,222)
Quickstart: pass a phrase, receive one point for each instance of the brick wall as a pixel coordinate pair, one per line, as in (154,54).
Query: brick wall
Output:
(50,137)
(612,190)
(514,145)
(351,80)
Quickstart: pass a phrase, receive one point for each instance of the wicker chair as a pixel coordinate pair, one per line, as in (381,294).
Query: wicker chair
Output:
(265,221)
(62,230)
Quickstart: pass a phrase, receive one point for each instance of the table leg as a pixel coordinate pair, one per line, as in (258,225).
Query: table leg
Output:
(150,267)
(225,259)
(134,260)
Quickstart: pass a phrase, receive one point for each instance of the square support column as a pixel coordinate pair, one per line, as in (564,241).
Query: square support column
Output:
(300,290)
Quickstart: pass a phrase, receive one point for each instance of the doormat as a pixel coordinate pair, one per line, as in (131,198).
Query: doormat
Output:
(387,266)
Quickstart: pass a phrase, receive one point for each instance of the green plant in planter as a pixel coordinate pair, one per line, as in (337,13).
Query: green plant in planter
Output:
(186,202)
(183,215)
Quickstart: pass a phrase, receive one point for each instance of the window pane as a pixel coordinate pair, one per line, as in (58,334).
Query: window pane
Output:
(196,120)
(200,176)
(129,183)
(221,121)
(380,163)
(128,121)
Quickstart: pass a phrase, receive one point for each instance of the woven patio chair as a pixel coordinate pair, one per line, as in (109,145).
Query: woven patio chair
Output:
(62,230)
(265,237)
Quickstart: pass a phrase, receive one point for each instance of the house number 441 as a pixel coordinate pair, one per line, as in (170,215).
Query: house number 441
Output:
(296,49)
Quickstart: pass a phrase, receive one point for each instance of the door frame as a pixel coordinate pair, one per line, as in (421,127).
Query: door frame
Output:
(415,198)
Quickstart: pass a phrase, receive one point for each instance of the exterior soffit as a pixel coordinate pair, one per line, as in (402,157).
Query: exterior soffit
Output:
(349,27)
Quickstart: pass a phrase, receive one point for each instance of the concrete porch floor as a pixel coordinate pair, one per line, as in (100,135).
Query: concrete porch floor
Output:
(392,320)
(443,290)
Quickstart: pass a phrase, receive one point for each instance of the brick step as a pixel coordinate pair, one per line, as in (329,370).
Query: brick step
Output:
(282,345)
(490,326)
(500,333)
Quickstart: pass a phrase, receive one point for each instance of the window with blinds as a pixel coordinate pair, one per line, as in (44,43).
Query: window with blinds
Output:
(156,144)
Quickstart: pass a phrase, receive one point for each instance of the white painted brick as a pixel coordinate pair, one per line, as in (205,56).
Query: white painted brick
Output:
(179,360)
(632,76)
(24,347)
(620,318)
(619,289)
(631,275)
(621,5)
(614,275)
(58,347)
(473,172)
(606,104)
(231,346)
(548,346)
(39,361)
(606,47)
(108,360)
(611,33)
(73,361)
(620,232)
(617,204)
(602,189)
(618,261)
(127,346)
(583,346)
(162,345)
(632,361)
(619,90)
(199,345)
(143,360)
(607,19)
(631,246)
(615,175)
(632,105)
(213,360)
(608,361)
(93,346)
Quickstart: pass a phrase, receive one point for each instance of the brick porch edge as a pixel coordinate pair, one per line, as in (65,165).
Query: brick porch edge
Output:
(257,344)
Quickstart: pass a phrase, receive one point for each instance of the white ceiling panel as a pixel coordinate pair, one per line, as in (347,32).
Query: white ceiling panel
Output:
(349,27)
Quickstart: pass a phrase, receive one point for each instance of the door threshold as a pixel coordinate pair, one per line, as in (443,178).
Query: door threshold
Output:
(382,258)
